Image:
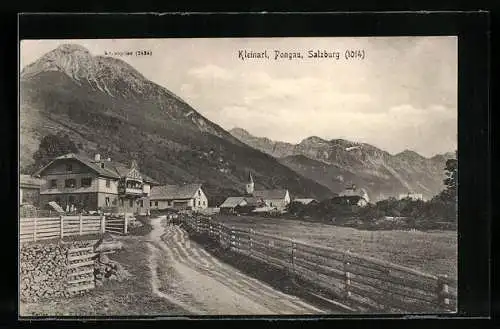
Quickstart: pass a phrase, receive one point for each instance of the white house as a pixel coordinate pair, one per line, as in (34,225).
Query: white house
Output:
(353,196)
(412,196)
(306,201)
(278,199)
(189,196)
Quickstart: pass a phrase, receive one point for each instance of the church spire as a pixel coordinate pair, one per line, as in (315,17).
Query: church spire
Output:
(250,184)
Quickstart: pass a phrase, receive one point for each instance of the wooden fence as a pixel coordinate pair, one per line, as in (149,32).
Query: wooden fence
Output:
(361,282)
(117,224)
(81,269)
(58,227)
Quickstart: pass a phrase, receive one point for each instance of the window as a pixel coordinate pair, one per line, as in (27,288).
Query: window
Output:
(121,202)
(156,203)
(150,203)
(142,203)
(71,199)
(106,200)
(102,165)
(53,183)
(108,183)
(199,192)
(70,183)
(199,202)
(130,203)
(86,182)
(204,203)
(69,167)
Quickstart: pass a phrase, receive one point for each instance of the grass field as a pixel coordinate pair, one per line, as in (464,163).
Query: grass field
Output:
(433,252)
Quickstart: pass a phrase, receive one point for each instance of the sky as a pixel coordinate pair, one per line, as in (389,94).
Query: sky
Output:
(401,95)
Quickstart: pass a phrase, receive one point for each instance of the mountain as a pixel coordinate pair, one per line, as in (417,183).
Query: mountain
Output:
(108,107)
(338,162)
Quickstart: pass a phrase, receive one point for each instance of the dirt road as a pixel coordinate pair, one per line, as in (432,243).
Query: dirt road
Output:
(185,274)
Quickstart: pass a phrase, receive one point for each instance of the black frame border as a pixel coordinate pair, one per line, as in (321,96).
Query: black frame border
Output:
(472,28)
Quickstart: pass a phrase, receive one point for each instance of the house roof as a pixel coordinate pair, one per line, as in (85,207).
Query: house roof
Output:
(270,194)
(170,192)
(305,200)
(112,169)
(253,201)
(353,191)
(29,181)
(232,202)
(352,199)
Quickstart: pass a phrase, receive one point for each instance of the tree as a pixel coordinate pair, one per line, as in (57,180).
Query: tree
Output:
(52,146)
(451,172)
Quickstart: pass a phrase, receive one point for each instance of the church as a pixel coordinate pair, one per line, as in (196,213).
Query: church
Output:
(277,199)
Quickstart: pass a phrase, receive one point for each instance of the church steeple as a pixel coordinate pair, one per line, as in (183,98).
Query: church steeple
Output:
(250,184)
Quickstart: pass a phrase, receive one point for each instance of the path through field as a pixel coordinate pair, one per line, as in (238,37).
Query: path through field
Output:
(185,274)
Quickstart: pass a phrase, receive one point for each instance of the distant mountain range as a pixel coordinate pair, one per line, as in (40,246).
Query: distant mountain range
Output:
(107,106)
(336,163)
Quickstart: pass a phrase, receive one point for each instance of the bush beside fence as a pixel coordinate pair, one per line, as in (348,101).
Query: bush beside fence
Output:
(365,283)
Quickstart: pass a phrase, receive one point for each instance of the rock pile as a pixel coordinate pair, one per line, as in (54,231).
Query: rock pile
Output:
(105,269)
(42,271)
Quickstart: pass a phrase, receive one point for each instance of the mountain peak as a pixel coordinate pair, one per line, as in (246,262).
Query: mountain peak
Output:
(70,48)
(313,140)
(239,132)
(409,154)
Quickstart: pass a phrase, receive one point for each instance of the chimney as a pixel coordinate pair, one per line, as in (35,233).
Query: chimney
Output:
(108,159)
(97,157)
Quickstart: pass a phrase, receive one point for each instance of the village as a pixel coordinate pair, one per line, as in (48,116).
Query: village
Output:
(109,200)
(74,183)
(153,186)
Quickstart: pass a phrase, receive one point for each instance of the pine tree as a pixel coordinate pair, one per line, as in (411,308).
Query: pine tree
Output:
(52,146)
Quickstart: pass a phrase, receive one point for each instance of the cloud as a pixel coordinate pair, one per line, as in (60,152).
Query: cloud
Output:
(403,95)
(210,72)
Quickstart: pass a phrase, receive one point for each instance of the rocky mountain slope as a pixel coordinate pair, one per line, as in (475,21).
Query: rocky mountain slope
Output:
(336,163)
(107,106)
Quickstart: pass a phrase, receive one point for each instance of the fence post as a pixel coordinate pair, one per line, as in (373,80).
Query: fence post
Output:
(61,224)
(103,224)
(125,227)
(81,223)
(34,228)
(347,276)
(443,291)
(231,239)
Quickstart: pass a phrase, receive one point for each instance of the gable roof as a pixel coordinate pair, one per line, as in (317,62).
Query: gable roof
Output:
(351,199)
(29,181)
(254,201)
(305,200)
(232,202)
(112,169)
(168,192)
(270,194)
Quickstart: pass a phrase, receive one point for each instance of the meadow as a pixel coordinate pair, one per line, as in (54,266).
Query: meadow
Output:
(434,252)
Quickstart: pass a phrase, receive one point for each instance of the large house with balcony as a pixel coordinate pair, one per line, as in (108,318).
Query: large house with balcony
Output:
(75,181)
